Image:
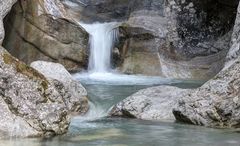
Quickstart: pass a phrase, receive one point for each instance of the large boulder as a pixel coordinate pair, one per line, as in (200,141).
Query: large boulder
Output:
(43,30)
(77,101)
(31,105)
(215,104)
(154,103)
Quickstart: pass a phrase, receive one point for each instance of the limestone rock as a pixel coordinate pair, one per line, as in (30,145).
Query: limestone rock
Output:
(154,103)
(77,101)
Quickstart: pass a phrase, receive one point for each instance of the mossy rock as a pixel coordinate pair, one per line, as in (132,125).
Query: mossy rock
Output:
(24,69)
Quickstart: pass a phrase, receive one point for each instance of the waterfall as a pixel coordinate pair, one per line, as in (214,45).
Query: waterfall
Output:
(102,38)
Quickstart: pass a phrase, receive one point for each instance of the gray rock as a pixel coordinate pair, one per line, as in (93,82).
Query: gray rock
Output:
(77,101)
(154,103)
(31,105)
(215,104)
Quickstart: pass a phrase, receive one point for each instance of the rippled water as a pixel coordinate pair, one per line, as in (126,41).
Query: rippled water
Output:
(95,129)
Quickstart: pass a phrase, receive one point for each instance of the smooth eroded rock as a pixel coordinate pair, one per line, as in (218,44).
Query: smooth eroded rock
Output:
(177,39)
(154,103)
(43,30)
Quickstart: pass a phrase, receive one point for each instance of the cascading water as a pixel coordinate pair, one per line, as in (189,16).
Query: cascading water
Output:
(102,38)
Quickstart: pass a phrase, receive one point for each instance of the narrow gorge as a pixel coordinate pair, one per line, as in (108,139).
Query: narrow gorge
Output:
(119,72)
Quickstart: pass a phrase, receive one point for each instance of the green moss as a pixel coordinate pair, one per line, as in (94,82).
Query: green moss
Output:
(44,85)
(7,58)
(24,69)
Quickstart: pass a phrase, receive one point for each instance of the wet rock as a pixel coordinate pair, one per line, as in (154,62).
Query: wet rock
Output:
(77,95)
(154,103)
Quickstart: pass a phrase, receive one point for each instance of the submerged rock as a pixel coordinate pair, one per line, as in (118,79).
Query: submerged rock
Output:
(154,103)
(76,96)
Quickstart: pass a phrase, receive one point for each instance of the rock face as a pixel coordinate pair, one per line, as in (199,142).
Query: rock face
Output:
(77,99)
(154,103)
(190,39)
(43,30)
(174,38)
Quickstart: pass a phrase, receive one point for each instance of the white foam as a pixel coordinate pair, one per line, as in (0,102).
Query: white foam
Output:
(120,79)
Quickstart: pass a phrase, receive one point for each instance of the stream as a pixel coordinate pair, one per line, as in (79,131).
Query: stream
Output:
(95,128)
